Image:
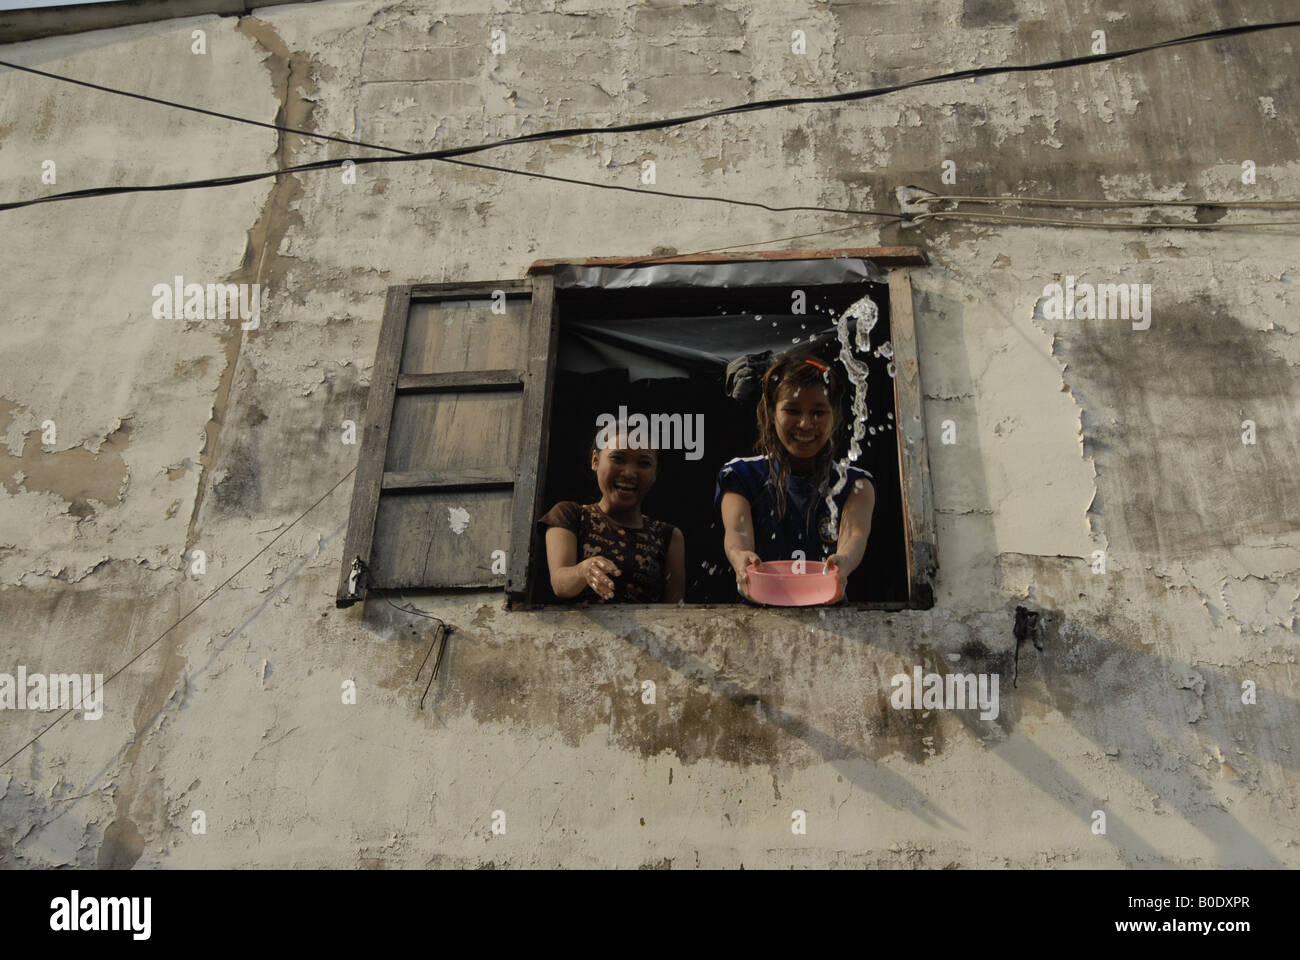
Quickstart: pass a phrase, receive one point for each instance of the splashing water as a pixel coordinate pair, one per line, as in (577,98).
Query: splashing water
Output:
(865,314)
(885,350)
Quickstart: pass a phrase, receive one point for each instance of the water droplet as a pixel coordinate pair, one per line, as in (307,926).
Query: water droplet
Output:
(891,369)
(890,416)
(796,339)
(758,316)
(871,430)
(866,314)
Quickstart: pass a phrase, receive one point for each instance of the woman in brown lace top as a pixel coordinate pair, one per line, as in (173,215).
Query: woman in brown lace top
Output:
(625,555)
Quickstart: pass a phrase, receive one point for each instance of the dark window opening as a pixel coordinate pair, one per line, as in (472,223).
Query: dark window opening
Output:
(664,350)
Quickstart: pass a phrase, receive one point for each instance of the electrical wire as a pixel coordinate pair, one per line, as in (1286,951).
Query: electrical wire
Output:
(432,155)
(639,261)
(185,106)
(683,196)
(187,615)
(439,637)
(1139,202)
(1098,224)
(644,125)
(395,150)
(780,102)
(411,608)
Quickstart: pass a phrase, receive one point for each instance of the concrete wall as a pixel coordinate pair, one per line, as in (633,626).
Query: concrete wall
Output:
(1071,436)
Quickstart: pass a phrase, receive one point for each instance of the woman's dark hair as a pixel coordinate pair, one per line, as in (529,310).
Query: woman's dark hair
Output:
(796,370)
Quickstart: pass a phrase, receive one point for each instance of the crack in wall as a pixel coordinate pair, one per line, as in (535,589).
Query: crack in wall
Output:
(291,79)
(263,264)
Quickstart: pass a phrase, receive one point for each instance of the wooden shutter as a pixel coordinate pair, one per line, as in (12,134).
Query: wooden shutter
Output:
(456,419)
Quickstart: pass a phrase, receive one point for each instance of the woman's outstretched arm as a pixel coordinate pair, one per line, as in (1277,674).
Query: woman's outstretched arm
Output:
(738,543)
(568,576)
(855,530)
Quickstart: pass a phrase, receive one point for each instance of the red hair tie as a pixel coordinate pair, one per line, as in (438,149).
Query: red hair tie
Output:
(820,366)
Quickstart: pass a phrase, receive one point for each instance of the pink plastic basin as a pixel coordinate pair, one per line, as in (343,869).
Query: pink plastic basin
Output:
(775,582)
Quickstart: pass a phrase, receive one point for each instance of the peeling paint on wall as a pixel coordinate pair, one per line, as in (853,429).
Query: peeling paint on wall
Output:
(1074,436)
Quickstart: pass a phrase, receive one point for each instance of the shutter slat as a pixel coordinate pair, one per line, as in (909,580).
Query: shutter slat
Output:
(429,480)
(463,382)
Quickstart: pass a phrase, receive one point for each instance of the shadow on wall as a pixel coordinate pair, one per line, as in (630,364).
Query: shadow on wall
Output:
(733,710)
(1104,689)
(1163,411)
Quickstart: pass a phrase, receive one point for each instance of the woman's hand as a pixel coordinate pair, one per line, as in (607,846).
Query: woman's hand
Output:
(597,572)
(741,561)
(855,528)
(738,543)
(835,564)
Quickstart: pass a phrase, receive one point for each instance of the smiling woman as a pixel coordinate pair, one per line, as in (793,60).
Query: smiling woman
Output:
(625,555)
(784,504)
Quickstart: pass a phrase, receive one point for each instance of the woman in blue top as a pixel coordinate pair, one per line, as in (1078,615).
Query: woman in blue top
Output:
(777,503)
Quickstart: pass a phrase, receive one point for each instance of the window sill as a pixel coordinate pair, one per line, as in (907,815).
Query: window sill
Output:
(891,606)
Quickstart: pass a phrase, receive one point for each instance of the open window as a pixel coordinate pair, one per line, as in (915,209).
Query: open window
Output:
(484,399)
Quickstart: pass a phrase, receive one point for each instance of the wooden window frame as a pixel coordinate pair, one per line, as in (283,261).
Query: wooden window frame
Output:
(537,385)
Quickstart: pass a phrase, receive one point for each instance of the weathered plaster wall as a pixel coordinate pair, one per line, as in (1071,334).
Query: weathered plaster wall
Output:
(1072,436)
